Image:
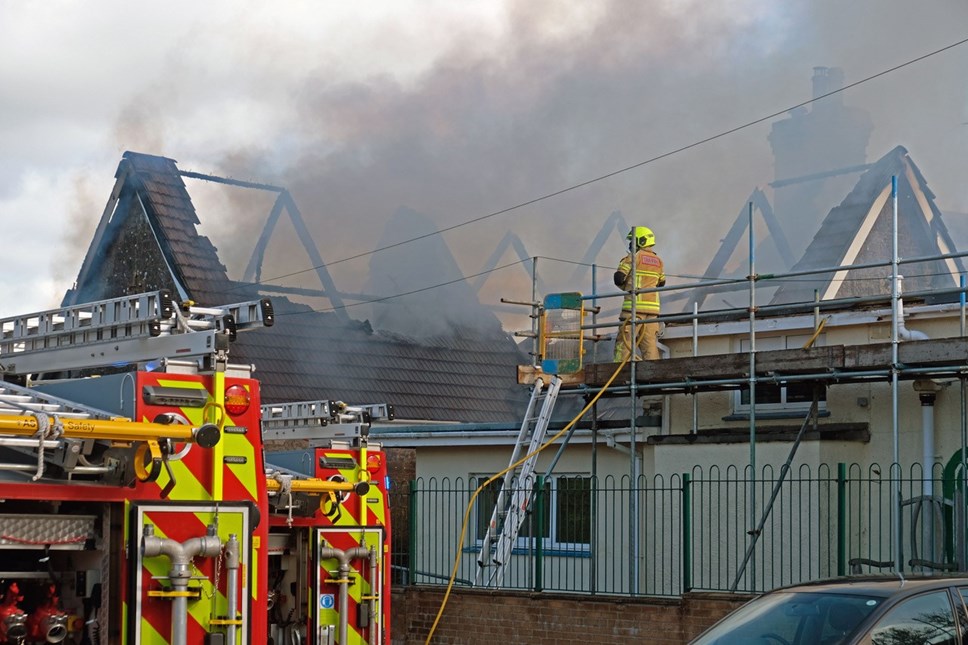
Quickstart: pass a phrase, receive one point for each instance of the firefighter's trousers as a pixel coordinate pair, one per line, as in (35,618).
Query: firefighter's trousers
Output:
(647,332)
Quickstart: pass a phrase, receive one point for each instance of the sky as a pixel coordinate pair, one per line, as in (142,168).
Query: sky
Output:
(450,110)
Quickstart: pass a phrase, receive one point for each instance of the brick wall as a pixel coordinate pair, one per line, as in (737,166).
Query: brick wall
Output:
(507,618)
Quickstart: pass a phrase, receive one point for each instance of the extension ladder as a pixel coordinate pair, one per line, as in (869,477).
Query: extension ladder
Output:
(122,330)
(510,510)
(321,420)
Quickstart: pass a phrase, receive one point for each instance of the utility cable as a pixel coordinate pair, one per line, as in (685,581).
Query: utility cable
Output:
(495,477)
(511,264)
(400,295)
(620,171)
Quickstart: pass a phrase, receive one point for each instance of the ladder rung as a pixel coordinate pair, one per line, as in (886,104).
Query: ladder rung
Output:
(512,501)
(128,329)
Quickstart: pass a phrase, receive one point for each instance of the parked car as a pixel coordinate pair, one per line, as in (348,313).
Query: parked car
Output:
(870,610)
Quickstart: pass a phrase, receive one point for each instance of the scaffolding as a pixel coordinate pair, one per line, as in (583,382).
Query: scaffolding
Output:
(893,361)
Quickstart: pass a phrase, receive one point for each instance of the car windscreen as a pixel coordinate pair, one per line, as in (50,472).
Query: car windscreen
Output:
(793,618)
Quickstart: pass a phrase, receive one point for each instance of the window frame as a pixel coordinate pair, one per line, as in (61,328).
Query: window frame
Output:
(881,621)
(775,342)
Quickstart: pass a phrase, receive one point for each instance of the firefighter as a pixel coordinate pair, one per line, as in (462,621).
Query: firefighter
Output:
(648,273)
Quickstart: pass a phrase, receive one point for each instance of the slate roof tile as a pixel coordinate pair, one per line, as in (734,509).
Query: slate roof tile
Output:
(319,355)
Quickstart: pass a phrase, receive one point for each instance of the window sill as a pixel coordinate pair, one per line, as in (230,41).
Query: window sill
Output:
(776,414)
(858,432)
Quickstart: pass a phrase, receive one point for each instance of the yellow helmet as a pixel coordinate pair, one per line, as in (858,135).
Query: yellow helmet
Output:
(642,235)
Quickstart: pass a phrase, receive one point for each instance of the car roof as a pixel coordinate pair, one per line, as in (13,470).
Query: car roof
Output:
(884,586)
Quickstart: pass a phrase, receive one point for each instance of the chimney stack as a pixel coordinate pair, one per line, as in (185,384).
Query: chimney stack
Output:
(826,80)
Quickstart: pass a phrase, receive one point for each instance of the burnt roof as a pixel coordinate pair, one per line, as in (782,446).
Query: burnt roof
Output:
(860,231)
(149,241)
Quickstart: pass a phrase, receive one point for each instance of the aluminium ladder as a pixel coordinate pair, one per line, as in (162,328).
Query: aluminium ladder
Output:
(321,420)
(127,329)
(510,510)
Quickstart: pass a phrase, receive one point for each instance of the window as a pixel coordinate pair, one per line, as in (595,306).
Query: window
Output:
(565,521)
(770,397)
(923,619)
(962,597)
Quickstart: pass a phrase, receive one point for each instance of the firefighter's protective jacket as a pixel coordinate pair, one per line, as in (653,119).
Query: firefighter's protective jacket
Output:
(649,273)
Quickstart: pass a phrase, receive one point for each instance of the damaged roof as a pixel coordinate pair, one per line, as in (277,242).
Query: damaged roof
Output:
(860,231)
(147,240)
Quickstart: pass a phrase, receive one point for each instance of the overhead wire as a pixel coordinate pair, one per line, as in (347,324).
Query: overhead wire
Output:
(400,295)
(511,264)
(620,171)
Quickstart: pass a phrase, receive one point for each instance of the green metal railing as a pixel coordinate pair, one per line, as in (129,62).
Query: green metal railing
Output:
(694,529)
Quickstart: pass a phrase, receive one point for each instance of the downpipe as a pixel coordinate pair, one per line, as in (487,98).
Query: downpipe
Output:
(180,555)
(903,333)
(343,580)
(666,424)
(928,393)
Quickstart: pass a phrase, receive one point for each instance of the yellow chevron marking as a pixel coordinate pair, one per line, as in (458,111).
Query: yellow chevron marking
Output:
(150,635)
(239,445)
(331,617)
(124,621)
(187,484)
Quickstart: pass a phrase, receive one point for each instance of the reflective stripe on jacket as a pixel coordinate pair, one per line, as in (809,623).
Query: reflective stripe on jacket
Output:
(648,274)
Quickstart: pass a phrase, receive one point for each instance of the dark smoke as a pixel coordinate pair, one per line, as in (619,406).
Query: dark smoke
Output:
(555,106)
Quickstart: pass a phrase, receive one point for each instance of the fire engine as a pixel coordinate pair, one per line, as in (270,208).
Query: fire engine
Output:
(136,506)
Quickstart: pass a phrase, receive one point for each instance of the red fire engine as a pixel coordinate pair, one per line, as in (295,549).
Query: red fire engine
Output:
(136,506)
(343,596)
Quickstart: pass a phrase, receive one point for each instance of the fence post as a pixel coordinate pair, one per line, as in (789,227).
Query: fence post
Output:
(841,519)
(537,529)
(686,532)
(412,538)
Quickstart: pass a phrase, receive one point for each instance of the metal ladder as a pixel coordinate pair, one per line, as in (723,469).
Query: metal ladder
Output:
(321,420)
(122,330)
(510,510)
(23,403)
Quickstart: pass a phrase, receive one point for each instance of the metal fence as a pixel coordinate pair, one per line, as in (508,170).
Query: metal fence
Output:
(694,532)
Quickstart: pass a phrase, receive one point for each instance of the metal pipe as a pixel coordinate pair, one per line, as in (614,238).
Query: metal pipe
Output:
(832,375)
(665,427)
(788,308)
(232,585)
(752,382)
(376,590)
(535,315)
(343,572)
(633,428)
(112,430)
(180,555)
(595,308)
(962,557)
(695,352)
(758,531)
(895,454)
(927,476)
(927,441)
(28,443)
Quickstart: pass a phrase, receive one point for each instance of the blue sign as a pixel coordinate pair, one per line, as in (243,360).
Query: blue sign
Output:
(327,601)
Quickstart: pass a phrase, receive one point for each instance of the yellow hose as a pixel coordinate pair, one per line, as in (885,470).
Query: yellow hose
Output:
(816,334)
(470,504)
